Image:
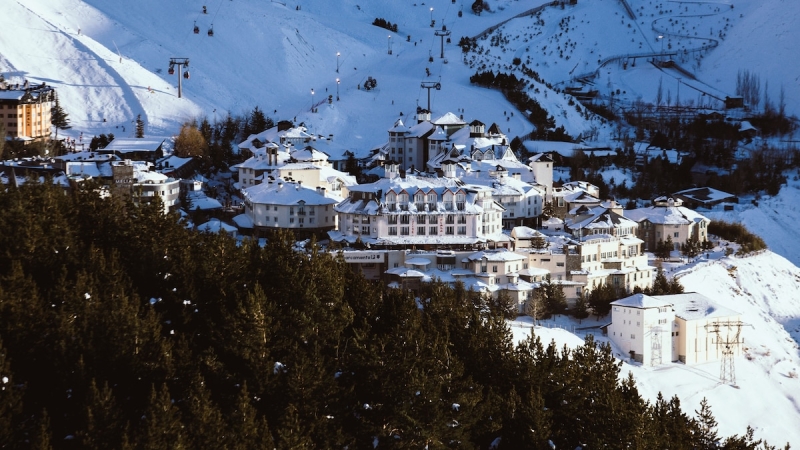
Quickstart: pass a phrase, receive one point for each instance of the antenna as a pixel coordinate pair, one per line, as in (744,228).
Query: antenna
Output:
(728,334)
(431,85)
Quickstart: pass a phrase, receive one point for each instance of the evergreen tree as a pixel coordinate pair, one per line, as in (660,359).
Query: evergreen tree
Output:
(139,126)
(58,118)
(706,437)
(161,423)
(10,397)
(42,437)
(581,309)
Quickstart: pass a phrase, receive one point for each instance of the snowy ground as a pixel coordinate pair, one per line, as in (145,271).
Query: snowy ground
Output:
(763,288)
(109,60)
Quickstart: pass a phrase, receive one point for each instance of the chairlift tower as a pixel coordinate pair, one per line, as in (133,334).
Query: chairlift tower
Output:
(728,338)
(431,85)
(444,32)
(181,63)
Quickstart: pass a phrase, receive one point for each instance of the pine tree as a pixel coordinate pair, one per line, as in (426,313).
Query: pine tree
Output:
(139,126)
(706,437)
(581,309)
(42,437)
(58,117)
(10,397)
(162,427)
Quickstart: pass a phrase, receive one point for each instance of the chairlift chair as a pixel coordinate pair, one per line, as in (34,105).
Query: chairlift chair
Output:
(171,70)
(186,74)
(211,30)
(196,28)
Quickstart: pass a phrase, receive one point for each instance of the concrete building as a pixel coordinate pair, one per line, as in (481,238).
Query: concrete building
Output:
(688,328)
(25,110)
(668,217)
(420,212)
(287,205)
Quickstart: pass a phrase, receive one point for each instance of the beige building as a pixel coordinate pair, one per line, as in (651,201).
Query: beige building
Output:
(668,218)
(25,110)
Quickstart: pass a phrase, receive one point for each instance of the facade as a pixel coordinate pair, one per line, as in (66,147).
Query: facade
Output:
(425,212)
(642,327)
(25,110)
(283,204)
(668,218)
(144,186)
(688,328)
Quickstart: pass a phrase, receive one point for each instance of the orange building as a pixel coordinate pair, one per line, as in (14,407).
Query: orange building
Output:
(25,110)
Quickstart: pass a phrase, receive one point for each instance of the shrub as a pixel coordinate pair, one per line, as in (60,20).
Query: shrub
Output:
(736,232)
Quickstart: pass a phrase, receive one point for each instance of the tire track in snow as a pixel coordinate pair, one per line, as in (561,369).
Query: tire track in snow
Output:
(128,95)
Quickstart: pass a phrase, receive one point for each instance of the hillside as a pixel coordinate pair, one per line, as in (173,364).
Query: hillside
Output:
(763,288)
(103,57)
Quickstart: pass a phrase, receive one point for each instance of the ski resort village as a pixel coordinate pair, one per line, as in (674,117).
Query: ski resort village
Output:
(614,175)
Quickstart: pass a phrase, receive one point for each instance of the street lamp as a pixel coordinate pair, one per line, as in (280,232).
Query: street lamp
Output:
(312,100)
(389,43)
(661,38)
(337,61)
(337,89)
(432,22)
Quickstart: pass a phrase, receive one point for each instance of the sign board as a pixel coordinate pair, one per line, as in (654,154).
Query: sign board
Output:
(364,257)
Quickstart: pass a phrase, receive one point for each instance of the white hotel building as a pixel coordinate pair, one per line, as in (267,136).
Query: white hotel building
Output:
(424,212)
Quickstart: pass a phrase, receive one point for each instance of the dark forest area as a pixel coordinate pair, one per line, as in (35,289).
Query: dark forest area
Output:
(121,328)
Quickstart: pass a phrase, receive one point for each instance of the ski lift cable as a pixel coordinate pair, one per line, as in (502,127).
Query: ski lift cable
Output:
(215,14)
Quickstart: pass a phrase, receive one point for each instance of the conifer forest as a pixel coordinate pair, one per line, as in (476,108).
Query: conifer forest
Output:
(122,328)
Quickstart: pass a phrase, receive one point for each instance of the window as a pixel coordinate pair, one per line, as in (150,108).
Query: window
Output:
(301,219)
(676,234)
(392,231)
(462,219)
(633,336)
(276,219)
(421,219)
(364,229)
(291,220)
(404,220)
(310,220)
(559,264)
(392,220)
(404,231)
(462,230)
(421,231)
(433,231)
(494,269)
(291,210)
(449,230)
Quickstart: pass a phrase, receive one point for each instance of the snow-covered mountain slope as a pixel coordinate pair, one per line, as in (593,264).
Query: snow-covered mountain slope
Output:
(764,289)
(774,219)
(109,59)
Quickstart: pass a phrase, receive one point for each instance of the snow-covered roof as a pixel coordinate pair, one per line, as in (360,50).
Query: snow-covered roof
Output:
(216,226)
(285,193)
(496,256)
(642,301)
(666,215)
(705,194)
(694,306)
(124,145)
(525,233)
(449,119)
